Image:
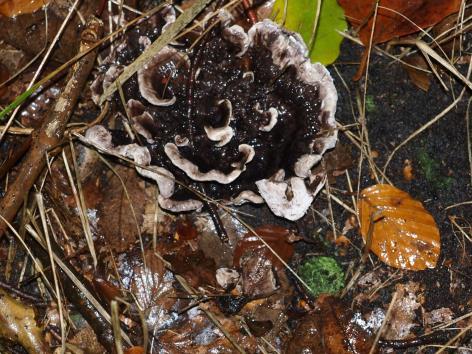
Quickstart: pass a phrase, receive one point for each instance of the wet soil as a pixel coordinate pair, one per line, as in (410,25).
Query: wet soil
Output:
(395,108)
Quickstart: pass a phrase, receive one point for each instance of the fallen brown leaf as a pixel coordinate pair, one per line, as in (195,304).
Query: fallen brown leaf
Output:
(395,18)
(198,270)
(417,14)
(330,329)
(404,234)
(116,219)
(403,318)
(16,7)
(134,350)
(277,238)
(419,78)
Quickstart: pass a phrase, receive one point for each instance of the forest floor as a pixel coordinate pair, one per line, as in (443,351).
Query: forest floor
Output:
(160,276)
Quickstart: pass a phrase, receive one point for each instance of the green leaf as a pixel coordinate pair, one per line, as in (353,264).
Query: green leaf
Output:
(300,18)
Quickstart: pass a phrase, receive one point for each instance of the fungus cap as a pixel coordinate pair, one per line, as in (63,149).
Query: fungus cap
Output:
(260,118)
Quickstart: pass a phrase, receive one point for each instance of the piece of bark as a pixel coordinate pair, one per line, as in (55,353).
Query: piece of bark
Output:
(52,130)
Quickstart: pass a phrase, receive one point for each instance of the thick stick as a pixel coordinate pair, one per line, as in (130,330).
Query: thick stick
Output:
(51,132)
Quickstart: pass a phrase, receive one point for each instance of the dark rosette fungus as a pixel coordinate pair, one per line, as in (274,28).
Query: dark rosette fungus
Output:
(245,113)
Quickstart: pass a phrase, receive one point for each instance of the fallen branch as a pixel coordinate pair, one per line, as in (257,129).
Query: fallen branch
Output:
(13,156)
(51,132)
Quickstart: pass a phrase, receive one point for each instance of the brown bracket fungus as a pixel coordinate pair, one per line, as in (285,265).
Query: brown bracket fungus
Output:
(245,113)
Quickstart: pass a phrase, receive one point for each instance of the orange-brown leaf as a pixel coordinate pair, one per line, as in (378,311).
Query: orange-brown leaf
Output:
(404,234)
(389,24)
(134,350)
(16,7)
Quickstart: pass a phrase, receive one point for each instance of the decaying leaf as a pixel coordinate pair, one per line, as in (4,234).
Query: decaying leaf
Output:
(436,316)
(135,350)
(416,71)
(197,334)
(121,211)
(404,234)
(151,285)
(18,324)
(86,339)
(258,277)
(395,18)
(275,236)
(197,269)
(403,318)
(330,329)
(17,7)
(26,30)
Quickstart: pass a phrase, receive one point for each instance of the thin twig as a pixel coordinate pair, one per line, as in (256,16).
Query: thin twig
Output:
(384,322)
(39,201)
(363,118)
(469,138)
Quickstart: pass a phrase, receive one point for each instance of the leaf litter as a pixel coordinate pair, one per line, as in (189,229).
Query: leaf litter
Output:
(180,288)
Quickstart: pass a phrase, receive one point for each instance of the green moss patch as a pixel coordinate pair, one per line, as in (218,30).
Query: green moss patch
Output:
(322,274)
(431,170)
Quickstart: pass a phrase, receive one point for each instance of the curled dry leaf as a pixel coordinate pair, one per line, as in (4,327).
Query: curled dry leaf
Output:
(12,8)
(404,234)
(416,71)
